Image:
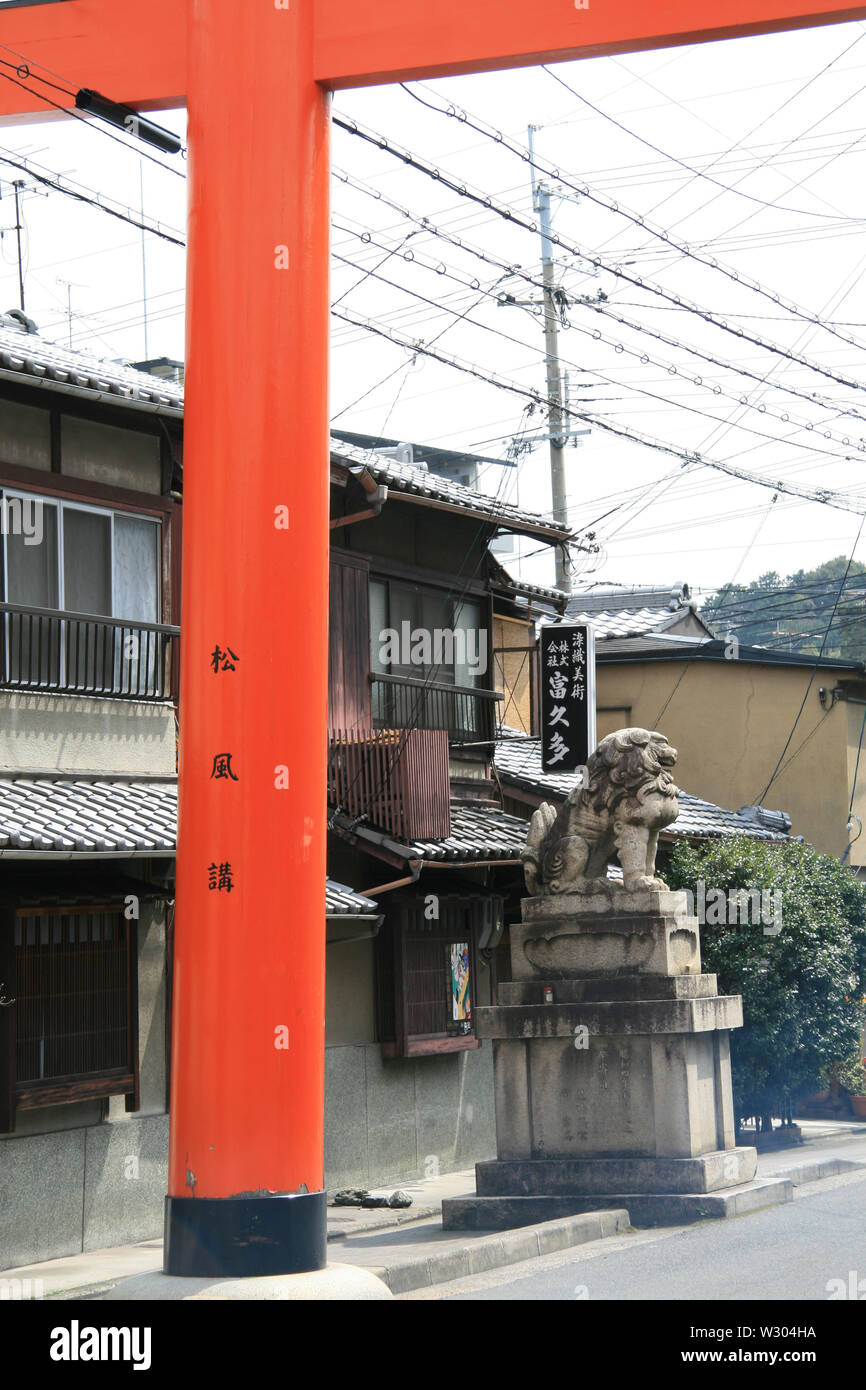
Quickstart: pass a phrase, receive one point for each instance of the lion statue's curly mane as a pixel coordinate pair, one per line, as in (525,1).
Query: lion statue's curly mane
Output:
(627,796)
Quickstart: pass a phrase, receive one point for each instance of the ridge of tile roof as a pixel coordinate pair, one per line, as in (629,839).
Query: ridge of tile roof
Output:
(34,361)
(640,596)
(518,761)
(408,478)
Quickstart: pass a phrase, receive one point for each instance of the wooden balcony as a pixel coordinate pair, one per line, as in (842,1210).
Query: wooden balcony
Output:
(397,779)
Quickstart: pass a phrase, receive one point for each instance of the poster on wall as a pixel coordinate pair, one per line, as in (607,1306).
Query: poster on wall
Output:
(461,1000)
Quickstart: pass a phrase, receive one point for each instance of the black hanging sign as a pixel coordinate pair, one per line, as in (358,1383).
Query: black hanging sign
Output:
(567,696)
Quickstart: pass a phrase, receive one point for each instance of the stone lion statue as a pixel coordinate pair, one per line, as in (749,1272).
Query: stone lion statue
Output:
(627,796)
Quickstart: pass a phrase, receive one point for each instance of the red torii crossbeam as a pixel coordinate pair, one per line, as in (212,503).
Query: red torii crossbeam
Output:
(246,1155)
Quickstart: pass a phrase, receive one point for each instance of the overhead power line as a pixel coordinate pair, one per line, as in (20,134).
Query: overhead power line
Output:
(584,190)
(824,496)
(89,196)
(695,173)
(508,215)
(597,306)
(374,274)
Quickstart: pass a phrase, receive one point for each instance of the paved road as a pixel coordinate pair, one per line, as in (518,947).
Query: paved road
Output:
(789,1252)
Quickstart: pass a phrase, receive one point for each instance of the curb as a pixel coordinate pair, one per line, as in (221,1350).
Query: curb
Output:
(496,1251)
(388,1218)
(817,1170)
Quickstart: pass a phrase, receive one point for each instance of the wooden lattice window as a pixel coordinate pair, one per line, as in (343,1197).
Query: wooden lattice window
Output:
(427,973)
(70,1031)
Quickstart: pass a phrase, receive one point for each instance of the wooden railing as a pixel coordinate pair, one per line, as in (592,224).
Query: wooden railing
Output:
(396,779)
(467,714)
(80,653)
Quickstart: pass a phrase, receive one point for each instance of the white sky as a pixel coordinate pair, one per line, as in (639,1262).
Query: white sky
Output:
(778,120)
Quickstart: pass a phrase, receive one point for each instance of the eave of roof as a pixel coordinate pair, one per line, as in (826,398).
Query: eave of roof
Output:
(342,901)
(410,484)
(501,582)
(27,359)
(671,647)
(479,834)
(58,819)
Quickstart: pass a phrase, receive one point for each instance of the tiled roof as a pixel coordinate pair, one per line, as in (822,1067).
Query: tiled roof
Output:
(503,582)
(601,600)
(31,359)
(341,900)
(518,762)
(634,622)
(478,832)
(418,482)
(65,815)
(625,622)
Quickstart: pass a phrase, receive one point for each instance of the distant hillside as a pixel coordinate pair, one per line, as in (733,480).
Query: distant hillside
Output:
(791,614)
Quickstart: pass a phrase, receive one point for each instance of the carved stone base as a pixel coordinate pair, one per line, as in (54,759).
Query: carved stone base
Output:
(647,933)
(612,1069)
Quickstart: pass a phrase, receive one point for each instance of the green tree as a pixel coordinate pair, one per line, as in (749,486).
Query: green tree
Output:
(803,986)
(793,614)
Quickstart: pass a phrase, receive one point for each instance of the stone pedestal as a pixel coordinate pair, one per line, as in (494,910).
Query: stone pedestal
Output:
(618,1092)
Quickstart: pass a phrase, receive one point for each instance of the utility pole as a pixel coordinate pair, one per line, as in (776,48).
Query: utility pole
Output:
(143,258)
(541,205)
(18,184)
(559,431)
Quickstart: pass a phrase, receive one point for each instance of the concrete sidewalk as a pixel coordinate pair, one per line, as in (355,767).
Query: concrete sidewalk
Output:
(408,1249)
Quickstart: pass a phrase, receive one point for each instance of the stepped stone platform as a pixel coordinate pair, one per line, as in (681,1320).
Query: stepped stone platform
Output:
(612,1071)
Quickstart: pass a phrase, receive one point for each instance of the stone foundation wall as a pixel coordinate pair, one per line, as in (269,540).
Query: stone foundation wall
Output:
(102,1184)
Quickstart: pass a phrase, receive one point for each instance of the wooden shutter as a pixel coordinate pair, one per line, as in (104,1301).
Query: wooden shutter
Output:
(349,643)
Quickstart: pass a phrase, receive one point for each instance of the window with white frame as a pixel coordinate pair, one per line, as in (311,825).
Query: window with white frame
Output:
(75,558)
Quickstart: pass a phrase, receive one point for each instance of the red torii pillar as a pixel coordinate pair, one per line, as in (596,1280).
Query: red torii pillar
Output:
(246,1164)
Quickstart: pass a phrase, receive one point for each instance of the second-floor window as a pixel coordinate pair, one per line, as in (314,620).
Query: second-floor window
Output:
(428,658)
(426,634)
(78,559)
(81,559)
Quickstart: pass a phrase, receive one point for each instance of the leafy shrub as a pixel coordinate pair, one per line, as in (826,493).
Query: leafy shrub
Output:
(802,988)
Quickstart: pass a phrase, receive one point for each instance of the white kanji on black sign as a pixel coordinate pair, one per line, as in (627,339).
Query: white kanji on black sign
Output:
(567,696)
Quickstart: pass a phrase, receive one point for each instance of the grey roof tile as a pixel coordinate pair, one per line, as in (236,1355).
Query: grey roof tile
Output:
(518,762)
(340,899)
(409,478)
(31,357)
(69,815)
(628,622)
(477,832)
